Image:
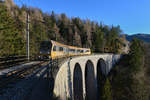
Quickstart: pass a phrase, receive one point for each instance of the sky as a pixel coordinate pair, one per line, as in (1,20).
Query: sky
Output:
(133,16)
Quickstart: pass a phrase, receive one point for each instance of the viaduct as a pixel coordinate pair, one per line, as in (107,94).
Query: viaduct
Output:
(78,78)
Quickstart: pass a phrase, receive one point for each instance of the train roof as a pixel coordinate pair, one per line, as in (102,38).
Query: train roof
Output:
(67,46)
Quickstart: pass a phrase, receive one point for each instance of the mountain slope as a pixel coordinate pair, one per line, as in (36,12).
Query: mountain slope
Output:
(144,37)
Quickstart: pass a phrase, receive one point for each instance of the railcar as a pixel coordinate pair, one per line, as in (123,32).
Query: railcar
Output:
(53,50)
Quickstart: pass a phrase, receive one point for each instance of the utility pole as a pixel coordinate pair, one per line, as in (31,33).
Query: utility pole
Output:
(27,37)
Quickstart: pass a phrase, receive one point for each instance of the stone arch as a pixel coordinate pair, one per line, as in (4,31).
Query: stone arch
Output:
(101,66)
(101,76)
(77,83)
(90,81)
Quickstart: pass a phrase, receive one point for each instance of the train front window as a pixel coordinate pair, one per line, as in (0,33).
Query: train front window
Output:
(61,49)
(45,46)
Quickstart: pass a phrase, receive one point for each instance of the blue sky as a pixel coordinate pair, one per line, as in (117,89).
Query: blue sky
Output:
(132,15)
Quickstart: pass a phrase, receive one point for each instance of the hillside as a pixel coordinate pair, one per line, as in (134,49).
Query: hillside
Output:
(144,37)
(130,78)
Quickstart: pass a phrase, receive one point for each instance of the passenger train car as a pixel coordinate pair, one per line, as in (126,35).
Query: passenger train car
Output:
(52,50)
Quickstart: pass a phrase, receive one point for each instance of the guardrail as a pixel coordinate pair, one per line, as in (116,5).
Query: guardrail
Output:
(10,61)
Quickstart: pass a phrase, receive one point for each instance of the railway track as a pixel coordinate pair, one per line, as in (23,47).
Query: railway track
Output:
(19,83)
(7,62)
(14,76)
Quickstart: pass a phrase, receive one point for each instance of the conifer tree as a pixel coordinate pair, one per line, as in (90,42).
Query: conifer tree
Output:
(99,39)
(136,55)
(107,93)
(11,41)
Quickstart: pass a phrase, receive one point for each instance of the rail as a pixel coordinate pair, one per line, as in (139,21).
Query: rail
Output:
(10,61)
(6,62)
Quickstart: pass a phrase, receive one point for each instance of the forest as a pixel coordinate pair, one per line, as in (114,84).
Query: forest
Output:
(50,26)
(130,77)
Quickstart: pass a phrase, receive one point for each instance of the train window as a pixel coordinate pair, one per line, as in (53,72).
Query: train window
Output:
(57,48)
(87,51)
(71,50)
(78,51)
(75,50)
(54,49)
(65,50)
(60,48)
(82,51)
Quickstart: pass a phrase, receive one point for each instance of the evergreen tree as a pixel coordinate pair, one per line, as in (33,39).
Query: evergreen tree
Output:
(99,39)
(11,41)
(53,19)
(107,93)
(136,55)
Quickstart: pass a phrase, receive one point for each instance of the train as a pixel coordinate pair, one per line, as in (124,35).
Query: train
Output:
(53,50)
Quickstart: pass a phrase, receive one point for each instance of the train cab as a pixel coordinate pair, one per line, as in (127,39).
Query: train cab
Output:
(45,50)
